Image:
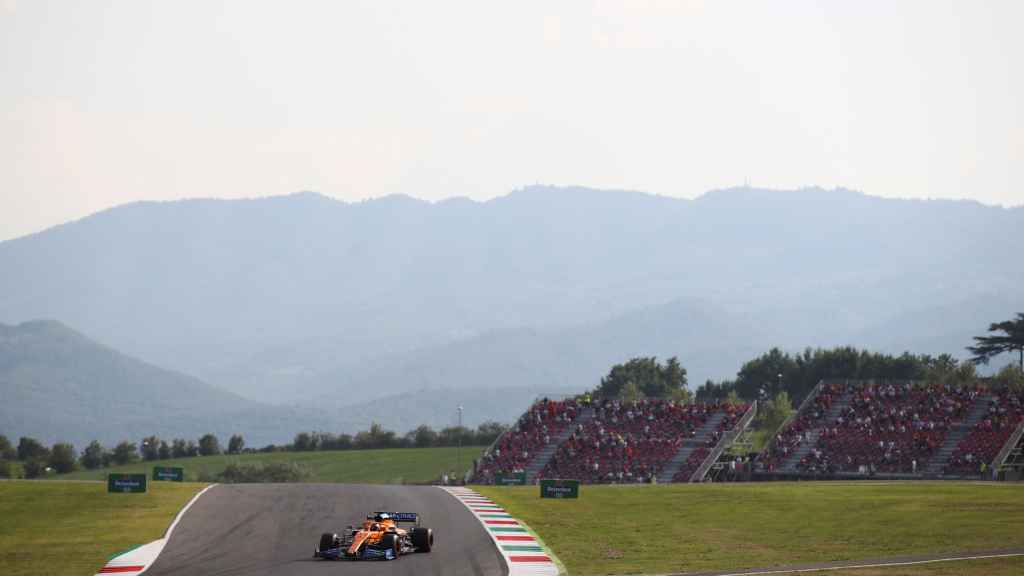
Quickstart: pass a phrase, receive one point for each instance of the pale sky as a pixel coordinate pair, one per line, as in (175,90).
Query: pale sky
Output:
(103,103)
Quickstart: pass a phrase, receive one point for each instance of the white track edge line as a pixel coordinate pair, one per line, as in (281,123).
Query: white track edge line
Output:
(174,524)
(181,513)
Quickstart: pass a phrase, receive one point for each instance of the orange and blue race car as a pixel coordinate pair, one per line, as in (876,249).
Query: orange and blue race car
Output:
(379,538)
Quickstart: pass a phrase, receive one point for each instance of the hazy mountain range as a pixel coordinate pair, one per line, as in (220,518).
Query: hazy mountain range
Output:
(406,307)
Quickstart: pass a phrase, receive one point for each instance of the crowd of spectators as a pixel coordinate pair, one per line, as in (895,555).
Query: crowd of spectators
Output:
(632,442)
(626,442)
(793,435)
(889,428)
(535,429)
(975,453)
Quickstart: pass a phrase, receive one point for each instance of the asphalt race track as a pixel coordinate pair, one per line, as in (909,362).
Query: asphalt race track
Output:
(272,529)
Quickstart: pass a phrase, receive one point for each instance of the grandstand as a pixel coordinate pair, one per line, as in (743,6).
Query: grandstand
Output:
(608,441)
(850,429)
(843,429)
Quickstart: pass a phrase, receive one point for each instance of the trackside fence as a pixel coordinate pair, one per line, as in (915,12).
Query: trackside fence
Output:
(724,442)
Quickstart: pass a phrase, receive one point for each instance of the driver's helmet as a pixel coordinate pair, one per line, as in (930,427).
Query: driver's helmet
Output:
(375,527)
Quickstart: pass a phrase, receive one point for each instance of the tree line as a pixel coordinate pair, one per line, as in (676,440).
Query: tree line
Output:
(376,436)
(36,459)
(775,371)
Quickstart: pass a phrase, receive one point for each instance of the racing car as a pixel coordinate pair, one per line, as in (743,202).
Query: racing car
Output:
(378,538)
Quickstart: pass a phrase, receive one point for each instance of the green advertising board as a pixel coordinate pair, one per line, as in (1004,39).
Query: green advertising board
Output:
(126,483)
(513,479)
(559,488)
(169,474)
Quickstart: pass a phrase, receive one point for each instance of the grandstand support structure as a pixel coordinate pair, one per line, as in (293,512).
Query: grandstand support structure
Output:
(937,463)
(1013,446)
(807,399)
(724,442)
(687,447)
(543,456)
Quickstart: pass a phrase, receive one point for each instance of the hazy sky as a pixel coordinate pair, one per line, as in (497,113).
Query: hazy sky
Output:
(103,103)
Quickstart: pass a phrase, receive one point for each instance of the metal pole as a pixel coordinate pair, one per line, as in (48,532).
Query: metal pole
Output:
(458,452)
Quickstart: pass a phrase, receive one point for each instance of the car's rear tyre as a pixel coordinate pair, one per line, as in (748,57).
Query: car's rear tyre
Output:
(328,541)
(423,539)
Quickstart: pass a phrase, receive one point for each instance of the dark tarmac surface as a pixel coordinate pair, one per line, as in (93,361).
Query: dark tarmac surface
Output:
(272,529)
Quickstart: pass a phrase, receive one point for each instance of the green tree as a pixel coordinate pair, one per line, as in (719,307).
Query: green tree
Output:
(630,393)
(31,449)
(34,468)
(423,436)
(7,451)
(451,435)
(775,411)
(236,444)
(93,455)
(62,458)
(733,398)
(1011,340)
(767,374)
(165,451)
(653,379)
(150,448)
(675,375)
(209,445)
(179,449)
(304,442)
(124,453)
(191,449)
(711,391)
(1011,376)
(489,431)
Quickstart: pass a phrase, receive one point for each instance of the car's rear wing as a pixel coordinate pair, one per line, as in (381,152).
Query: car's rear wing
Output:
(402,516)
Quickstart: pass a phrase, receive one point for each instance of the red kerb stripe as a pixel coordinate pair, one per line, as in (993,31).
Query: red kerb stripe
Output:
(501,522)
(515,538)
(117,569)
(529,559)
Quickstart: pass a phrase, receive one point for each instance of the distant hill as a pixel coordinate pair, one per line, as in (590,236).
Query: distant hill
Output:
(58,385)
(300,298)
(509,368)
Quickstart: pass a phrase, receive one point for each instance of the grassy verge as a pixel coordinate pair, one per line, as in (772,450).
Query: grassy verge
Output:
(387,466)
(59,528)
(987,567)
(688,528)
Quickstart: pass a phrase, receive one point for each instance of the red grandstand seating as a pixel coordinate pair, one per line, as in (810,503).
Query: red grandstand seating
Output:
(974,454)
(513,450)
(627,443)
(889,428)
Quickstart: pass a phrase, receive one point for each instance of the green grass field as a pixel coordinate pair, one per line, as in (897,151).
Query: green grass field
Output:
(688,528)
(986,567)
(71,528)
(387,466)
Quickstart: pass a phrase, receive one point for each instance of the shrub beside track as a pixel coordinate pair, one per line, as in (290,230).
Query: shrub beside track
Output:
(692,528)
(71,528)
(384,466)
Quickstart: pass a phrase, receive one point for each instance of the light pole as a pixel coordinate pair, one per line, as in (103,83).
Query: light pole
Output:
(458,451)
